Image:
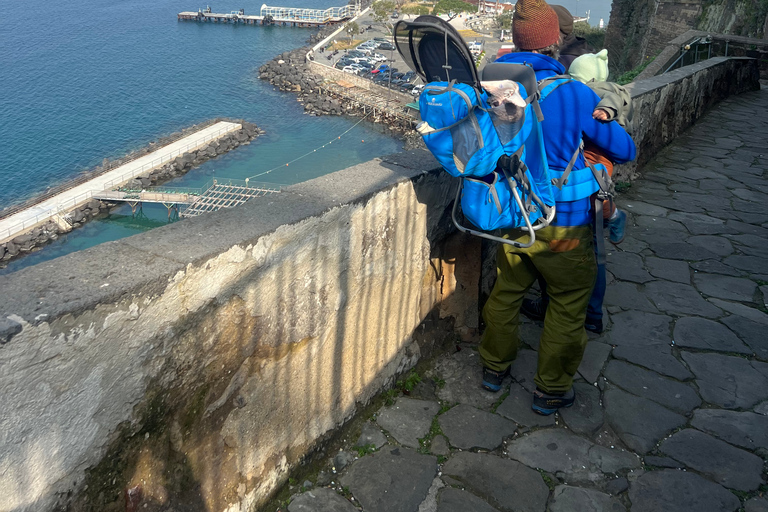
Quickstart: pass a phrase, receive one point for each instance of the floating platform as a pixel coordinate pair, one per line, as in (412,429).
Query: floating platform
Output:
(286,16)
(214,195)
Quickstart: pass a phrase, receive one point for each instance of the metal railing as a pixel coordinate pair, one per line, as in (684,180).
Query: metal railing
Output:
(693,50)
(702,46)
(81,198)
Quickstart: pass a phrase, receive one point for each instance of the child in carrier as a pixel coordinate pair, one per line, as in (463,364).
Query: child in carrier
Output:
(615,104)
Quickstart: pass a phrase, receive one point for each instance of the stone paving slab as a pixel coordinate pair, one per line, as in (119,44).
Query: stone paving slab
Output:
(638,328)
(726,465)
(726,381)
(670,270)
(321,499)
(670,490)
(639,422)
(671,394)
(506,484)
(656,358)
(467,428)
(560,451)
(392,479)
(746,429)
(454,500)
(408,420)
(586,415)
(752,333)
(756,505)
(700,333)
(576,499)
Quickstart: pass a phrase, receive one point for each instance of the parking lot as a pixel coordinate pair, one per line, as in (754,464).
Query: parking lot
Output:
(387,69)
(377,67)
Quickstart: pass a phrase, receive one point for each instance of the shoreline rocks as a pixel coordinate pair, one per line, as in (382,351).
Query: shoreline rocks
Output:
(289,72)
(35,239)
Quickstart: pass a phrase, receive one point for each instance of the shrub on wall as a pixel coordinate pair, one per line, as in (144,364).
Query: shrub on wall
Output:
(595,36)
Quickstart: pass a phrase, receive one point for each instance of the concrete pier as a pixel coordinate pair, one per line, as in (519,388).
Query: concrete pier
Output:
(27,219)
(288,16)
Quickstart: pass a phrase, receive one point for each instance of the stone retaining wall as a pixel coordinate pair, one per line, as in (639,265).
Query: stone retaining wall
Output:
(666,105)
(194,365)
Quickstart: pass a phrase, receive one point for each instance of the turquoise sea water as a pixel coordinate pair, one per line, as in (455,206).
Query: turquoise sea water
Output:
(89,79)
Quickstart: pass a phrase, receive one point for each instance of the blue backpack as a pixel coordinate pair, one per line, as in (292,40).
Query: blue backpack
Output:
(505,180)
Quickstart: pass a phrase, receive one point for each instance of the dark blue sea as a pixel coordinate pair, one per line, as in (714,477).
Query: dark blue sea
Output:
(85,80)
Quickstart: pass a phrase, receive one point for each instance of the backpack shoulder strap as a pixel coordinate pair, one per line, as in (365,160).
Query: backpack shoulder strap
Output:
(547,85)
(564,177)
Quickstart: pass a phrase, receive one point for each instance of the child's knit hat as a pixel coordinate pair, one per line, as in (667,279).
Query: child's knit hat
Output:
(590,66)
(534,25)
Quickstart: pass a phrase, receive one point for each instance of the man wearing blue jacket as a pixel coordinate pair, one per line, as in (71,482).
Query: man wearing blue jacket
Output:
(562,254)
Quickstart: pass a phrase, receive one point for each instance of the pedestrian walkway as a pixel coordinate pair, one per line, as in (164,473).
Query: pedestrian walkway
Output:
(61,203)
(672,400)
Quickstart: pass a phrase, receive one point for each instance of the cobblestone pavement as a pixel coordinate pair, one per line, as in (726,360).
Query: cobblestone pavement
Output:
(672,400)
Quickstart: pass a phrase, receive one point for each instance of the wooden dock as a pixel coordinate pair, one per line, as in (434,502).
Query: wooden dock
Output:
(216,194)
(285,16)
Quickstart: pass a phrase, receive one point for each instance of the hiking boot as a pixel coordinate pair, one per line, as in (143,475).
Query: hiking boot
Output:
(617,227)
(594,325)
(546,404)
(492,379)
(535,309)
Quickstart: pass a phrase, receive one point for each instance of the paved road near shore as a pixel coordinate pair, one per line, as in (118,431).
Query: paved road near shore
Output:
(671,410)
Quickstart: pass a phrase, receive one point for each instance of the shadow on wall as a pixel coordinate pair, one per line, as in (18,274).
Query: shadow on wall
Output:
(275,345)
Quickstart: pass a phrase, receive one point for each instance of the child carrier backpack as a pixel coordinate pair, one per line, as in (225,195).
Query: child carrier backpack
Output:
(502,166)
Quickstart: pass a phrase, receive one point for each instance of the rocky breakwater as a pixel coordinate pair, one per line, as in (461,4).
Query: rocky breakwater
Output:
(188,161)
(290,72)
(35,239)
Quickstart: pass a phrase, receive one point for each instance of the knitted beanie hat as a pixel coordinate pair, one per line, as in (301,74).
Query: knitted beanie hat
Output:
(590,66)
(534,25)
(565,18)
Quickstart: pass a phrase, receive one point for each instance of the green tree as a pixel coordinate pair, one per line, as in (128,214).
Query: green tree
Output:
(595,36)
(416,10)
(504,20)
(351,28)
(452,7)
(382,9)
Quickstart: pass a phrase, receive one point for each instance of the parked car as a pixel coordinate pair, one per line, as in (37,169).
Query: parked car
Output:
(406,87)
(408,76)
(349,69)
(416,91)
(378,57)
(386,46)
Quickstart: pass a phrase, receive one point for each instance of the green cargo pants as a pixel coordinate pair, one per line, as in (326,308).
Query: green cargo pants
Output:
(565,258)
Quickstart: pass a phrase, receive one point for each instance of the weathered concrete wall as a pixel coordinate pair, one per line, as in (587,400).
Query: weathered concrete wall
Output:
(666,105)
(203,360)
(198,363)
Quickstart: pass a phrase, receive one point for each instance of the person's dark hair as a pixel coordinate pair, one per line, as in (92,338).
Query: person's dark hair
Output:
(552,50)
